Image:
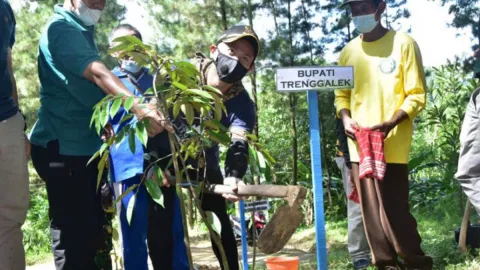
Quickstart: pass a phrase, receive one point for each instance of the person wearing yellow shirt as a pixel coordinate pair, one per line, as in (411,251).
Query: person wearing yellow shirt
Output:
(389,91)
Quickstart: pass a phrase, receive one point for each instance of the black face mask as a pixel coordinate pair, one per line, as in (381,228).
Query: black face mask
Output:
(229,70)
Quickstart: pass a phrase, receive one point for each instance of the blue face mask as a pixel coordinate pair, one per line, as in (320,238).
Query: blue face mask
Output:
(130,66)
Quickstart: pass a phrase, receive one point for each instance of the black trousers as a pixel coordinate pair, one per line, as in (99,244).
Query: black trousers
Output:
(75,210)
(160,219)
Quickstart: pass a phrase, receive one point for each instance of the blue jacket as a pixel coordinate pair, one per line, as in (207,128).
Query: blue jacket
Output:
(123,163)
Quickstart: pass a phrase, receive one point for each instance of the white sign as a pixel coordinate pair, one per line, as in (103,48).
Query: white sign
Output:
(257,206)
(314,78)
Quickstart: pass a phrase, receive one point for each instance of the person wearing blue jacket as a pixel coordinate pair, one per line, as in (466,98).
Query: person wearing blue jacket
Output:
(127,169)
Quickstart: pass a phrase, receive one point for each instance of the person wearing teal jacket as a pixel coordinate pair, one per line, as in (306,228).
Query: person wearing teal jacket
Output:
(72,81)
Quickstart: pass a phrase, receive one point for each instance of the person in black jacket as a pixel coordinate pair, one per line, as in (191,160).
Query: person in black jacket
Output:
(232,56)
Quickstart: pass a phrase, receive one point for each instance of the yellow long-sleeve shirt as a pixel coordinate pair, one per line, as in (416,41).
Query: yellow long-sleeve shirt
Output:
(389,76)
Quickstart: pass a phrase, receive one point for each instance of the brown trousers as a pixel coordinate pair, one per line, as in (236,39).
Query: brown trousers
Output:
(390,227)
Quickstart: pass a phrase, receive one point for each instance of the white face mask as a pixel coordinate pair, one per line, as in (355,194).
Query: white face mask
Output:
(365,23)
(130,66)
(88,16)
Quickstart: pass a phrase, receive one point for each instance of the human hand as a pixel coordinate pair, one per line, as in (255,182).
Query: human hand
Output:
(108,132)
(156,119)
(384,127)
(233,182)
(350,126)
(151,174)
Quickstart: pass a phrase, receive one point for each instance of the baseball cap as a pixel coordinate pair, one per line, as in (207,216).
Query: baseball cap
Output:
(238,32)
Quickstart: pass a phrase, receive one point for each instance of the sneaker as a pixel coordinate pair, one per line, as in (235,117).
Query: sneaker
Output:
(361,264)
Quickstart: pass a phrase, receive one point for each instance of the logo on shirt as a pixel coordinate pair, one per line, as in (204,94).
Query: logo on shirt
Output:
(6,19)
(388,65)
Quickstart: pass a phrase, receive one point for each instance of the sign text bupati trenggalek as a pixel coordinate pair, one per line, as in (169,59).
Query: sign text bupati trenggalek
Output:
(314,78)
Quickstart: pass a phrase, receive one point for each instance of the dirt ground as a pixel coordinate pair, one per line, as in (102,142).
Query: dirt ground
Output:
(302,245)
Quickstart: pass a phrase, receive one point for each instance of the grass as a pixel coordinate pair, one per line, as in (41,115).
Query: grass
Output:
(36,232)
(436,226)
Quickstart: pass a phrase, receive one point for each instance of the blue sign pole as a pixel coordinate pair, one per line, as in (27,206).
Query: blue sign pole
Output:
(316,154)
(244,236)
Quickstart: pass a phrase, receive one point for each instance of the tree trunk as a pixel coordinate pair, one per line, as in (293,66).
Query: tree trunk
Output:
(324,157)
(253,74)
(191,212)
(223,10)
(349,31)
(292,103)
(307,32)
(273,6)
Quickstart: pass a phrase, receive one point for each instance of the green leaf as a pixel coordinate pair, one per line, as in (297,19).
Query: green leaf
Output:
(200,93)
(142,134)
(130,207)
(103,147)
(98,127)
(252,159)
(192,99)
(115,107)
(252,137)
(101,167)
(146,124)
(415,162)
(130,189)
(126,118)
(213,220)
(261,162)
(155,192)
(140,58)
(213,89)
(131,140)
(179,86)
(104,115)
(188,68)
(218,136)
(129,103)
(188,111)
(158,174)
(149,92)
(97,154)
(123,47)
(120,136)
(218,109)
(95,115)
(129,40)
(267,155)
(176,109)
(215,124)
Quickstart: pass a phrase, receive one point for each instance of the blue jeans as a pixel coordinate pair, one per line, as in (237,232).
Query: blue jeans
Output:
(133,235)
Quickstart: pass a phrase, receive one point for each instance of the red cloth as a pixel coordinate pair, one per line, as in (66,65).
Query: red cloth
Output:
(372,158)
